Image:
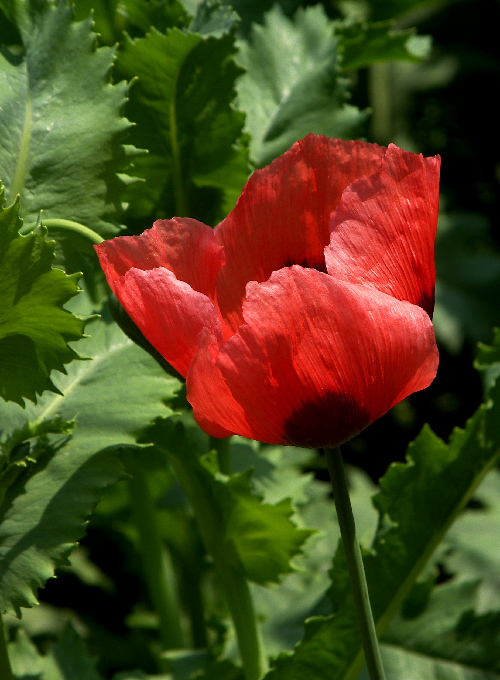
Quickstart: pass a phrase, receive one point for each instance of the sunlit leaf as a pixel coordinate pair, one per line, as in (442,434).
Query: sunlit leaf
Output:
(182,107)
(112,397)
(293,83)
(34,327)
(64,121)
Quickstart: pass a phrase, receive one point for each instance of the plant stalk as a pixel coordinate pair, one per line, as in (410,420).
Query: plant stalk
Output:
(223,449)
(354,564)
(232,579)
(5,669)
(156,559)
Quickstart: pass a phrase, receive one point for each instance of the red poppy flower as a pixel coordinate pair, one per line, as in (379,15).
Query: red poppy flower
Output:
(306,314)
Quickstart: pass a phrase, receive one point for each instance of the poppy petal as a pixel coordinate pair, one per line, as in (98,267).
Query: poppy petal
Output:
(184,246)
(384,228)
(282,216)
(316,361)
(169,313)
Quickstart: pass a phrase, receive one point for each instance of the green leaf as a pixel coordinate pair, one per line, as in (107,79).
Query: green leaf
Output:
(182,107)
(448,629)
(64,122)
(471,546)
(259,537)
(113,398)
(362,44)
(402,664)
(114,17)
(214,19)
(68,659)
(286,95)
(34,327)
(417,503)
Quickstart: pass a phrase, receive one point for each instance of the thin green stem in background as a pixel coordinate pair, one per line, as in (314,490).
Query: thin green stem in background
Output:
(232,579)
(67,225)
(5,669)
(156,559)
(354,563)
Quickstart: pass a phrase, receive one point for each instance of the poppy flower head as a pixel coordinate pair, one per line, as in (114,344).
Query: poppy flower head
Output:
(305,315)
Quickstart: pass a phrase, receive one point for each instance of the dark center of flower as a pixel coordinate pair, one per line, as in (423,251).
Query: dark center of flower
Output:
(308,263)
(328,421)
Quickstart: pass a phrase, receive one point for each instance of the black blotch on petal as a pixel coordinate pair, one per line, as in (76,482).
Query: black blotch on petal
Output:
(328,421)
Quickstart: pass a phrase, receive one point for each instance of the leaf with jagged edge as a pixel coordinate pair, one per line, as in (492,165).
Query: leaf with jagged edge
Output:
(61,125)
(182,104)
(417,503)
(260,538)
(293,83)
(34,327)
(112,397)
(363,43)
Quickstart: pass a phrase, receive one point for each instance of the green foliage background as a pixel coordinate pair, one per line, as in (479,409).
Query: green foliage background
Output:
(152,108)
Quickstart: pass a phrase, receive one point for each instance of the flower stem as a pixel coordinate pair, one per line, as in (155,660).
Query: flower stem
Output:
(232,579)
(354,563)
(5,669)
(156,560)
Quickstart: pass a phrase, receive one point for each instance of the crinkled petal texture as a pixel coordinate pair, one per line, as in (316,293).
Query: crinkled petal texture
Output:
(305,315)
(316,361)
(166,281)
(282,216)
(384,228)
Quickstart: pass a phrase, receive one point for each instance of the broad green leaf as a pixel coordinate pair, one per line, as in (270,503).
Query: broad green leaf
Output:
(182,107)
(402,664)
(471,546)
(449,629)
(63,119)
(417,503)
(362,44)
(68,659)
(258,537)
(34,327)
(293,83)
(112,397)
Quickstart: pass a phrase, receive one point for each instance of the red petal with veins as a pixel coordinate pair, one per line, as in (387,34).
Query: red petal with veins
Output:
(169,313)
(184,246)
(315,362)
(384,228)
(282,216)
(165,280)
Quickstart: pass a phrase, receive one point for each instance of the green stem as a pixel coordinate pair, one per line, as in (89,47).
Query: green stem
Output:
(5,669)
(22,158)
(68,225)
(156,560)
(232,579)
(354,563)
(223,448)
